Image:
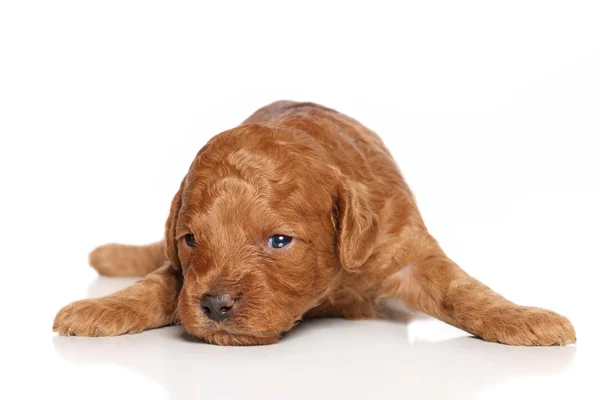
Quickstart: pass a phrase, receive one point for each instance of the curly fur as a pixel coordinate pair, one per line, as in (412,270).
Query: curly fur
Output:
(306,171)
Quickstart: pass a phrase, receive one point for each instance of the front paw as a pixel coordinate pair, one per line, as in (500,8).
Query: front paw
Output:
(97,317)
(526,326)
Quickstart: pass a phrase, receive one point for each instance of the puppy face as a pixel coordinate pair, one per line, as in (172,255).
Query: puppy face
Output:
(257,228)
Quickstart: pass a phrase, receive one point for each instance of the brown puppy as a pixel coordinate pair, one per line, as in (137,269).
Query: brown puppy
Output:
(298,212)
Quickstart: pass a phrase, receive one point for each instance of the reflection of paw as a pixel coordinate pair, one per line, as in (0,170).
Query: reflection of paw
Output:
(526,326)
(97,317)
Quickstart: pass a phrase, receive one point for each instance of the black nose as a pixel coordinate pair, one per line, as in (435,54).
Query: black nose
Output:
(217,307)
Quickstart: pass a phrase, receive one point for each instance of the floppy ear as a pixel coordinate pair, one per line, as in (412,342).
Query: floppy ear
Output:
(357,225)
(171,251)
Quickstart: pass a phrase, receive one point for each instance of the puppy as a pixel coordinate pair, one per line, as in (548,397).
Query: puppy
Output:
(299,212)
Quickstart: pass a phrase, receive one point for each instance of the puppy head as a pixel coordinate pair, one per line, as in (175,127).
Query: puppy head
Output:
(262,227)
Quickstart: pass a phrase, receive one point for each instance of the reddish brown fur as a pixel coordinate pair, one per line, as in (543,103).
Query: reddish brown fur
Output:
(359,240)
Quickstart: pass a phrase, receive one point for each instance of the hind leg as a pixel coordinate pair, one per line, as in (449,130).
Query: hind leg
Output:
(125,260)
(430,282)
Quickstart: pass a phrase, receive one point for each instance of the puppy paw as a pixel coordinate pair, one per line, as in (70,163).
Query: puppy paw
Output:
(97,317)
(111,259)
(526,326)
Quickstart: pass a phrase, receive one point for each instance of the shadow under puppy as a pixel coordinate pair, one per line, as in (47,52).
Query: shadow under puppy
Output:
(299,212)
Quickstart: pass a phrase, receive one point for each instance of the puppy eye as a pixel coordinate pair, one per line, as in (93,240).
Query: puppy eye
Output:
(189,239)
(279,241)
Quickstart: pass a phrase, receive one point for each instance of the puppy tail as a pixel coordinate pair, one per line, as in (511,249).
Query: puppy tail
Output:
(115,259)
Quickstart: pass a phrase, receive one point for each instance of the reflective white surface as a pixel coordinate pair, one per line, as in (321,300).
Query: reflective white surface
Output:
(322,358)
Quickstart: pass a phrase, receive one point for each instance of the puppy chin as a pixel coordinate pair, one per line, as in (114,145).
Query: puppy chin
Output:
(223,338)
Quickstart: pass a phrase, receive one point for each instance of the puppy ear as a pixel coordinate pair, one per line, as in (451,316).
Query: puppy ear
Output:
(171,251)
(357,225)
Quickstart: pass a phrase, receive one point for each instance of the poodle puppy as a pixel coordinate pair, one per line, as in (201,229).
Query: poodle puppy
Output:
(298,212)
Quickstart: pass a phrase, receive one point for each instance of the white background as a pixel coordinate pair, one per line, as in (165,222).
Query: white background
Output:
(491,109)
